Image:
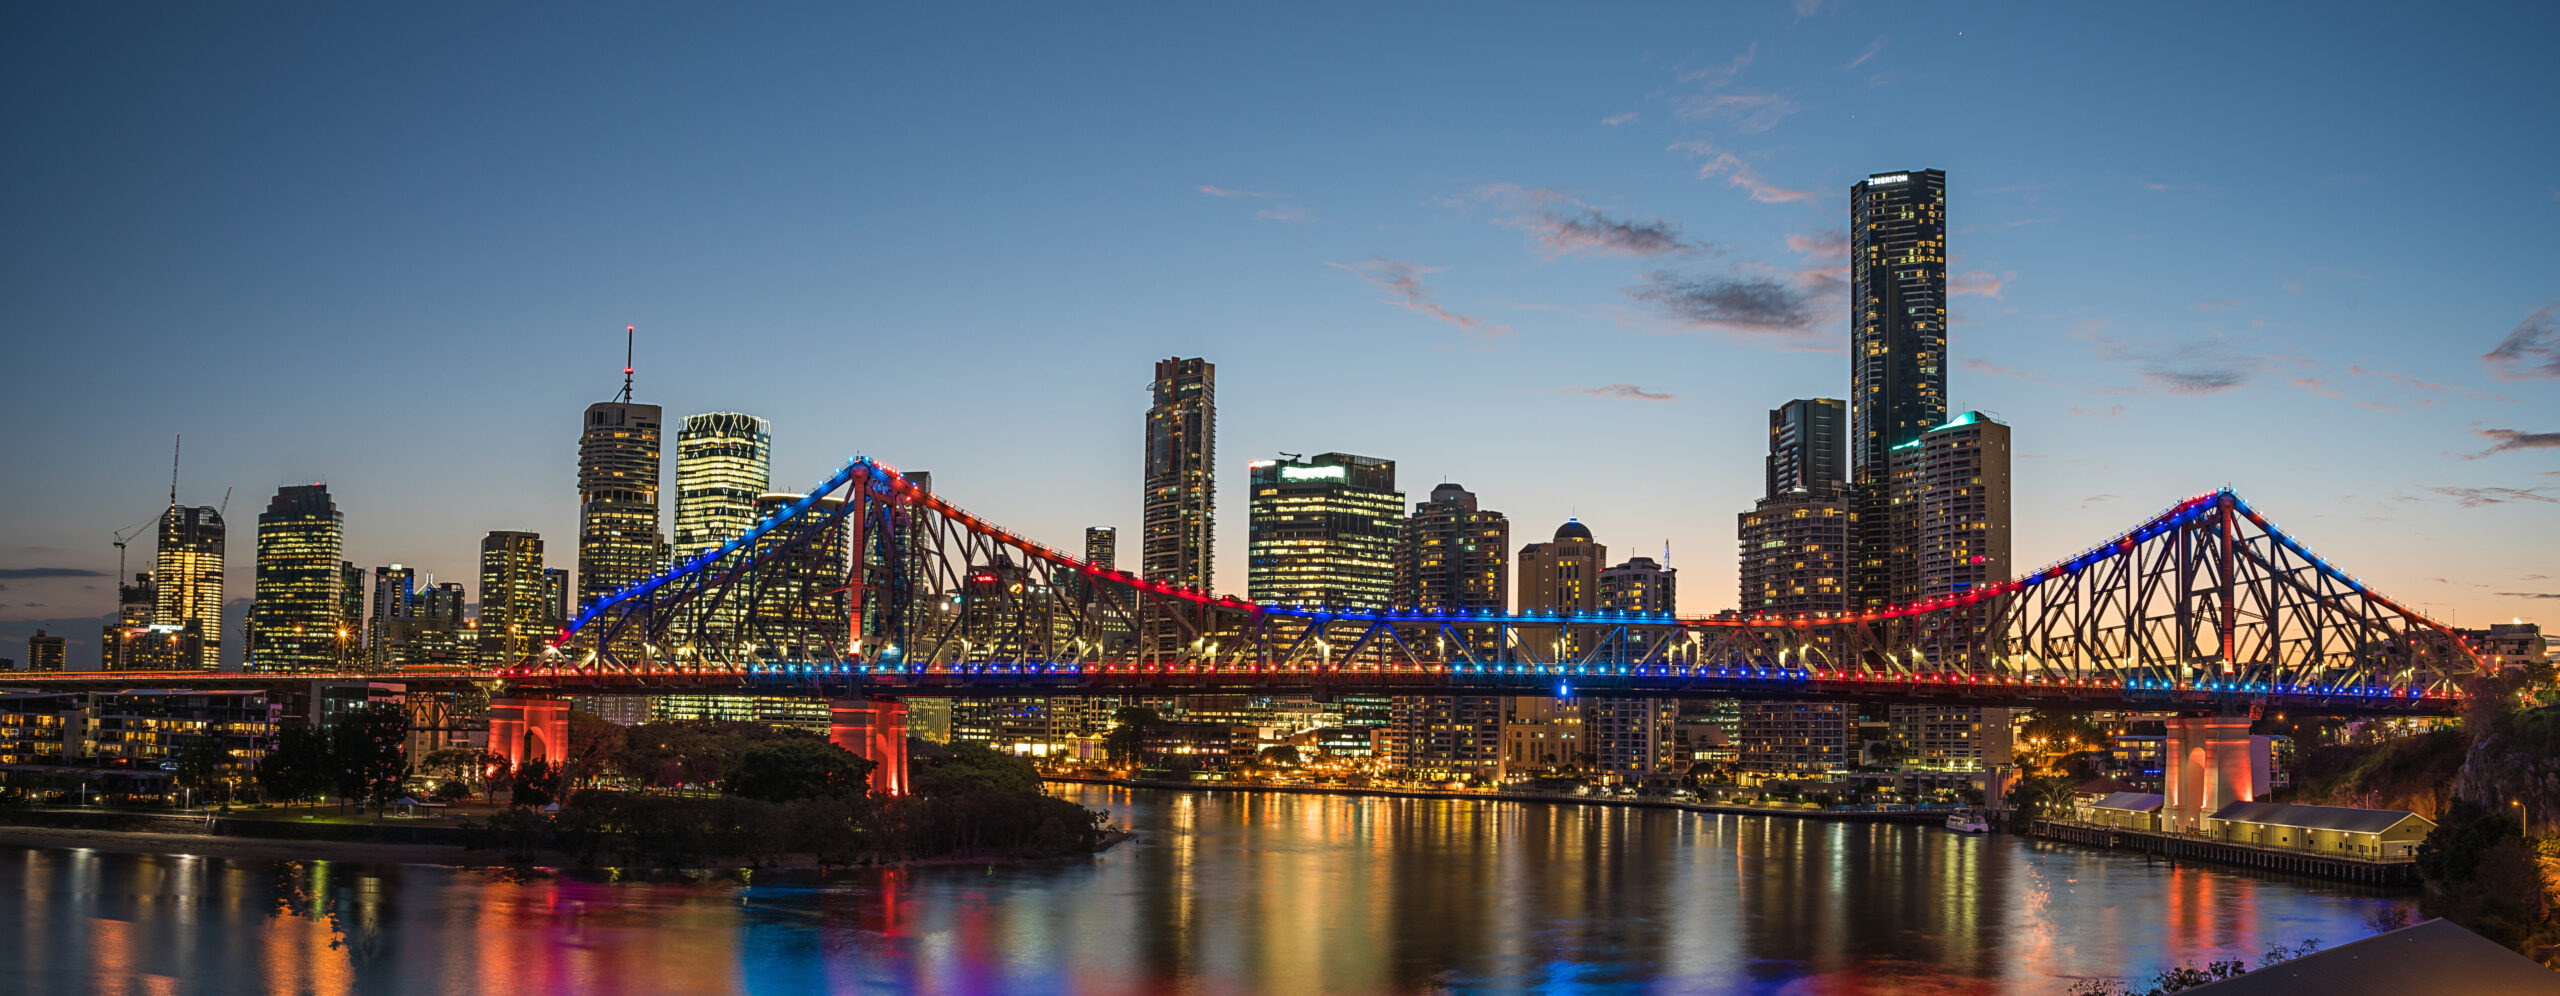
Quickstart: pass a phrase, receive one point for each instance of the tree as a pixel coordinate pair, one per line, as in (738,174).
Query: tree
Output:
(532,785)
(368,753)
(973,768)
(202,767)
(792,770)
(1281,755)
(460,766)
(1126,745)
(594,744)
(2480,872)
(298,766)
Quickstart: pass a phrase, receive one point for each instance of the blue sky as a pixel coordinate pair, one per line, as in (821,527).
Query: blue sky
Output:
(1565,257)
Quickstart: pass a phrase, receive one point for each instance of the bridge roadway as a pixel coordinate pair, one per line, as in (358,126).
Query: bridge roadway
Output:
(855,681)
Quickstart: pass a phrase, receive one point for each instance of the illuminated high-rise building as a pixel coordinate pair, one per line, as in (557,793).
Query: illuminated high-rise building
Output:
(618,540)
(350,635)
(1453,557)
(723,462)
(1951,508)
(1181,506)
(1898,314)
(294,613)
(555,593)
(1102,547)
(1563,574)
(800,612)
(515,607)
(187,584)
(1630,738)
(46,652)
(1324,531)
(129,644)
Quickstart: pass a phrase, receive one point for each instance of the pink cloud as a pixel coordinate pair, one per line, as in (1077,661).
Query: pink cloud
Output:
(1404,280)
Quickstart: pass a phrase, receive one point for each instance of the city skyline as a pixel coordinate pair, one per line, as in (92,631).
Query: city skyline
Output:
(1529,286)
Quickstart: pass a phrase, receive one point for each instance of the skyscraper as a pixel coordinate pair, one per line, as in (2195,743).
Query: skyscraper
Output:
(618,540)
(723,462)
(515,609)
(187,583)
(1324,531)
(350,645)
(1630,738)
(1454,557)
(395,593)
(1805,452)
(1898,314)
(555,594)
(800,611)
(1951,508)
(294,612)
(1563,574)
(1560,576)
(129,643)
(46,653)
(1102,546)
(1181,509)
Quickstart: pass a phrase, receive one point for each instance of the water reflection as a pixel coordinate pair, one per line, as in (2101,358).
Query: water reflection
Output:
(1223,893)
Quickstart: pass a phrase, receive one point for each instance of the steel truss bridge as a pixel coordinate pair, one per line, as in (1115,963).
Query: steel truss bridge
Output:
(873,587)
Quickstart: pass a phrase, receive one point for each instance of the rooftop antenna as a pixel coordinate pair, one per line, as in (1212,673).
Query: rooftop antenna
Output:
(628,333)
(175,447)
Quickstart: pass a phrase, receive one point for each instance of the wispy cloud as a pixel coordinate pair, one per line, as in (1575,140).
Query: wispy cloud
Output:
(1737,173)
(1873,47)
(1832,244)
(2529,594)
(22,573)
(2317,386)
(1224,192)
(2502,440)
(1404,281)
(2111,411)
(1622,117)
(2192,367)
(2219,304)
(1627,392)
(2476,497)
(1714,98)
(1561,225)
(1283,212)
(1807,8)
(1756,305)
(2532,350)
(2425,386)
(1979,283)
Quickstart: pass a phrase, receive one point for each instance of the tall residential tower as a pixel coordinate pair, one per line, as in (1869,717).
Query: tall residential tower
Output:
(1898,316)
(1182,451)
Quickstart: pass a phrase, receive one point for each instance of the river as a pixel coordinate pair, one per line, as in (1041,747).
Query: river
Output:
(1221,893)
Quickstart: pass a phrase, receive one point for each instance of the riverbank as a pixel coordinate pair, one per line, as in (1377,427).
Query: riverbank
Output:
(1926,817)
(243,848)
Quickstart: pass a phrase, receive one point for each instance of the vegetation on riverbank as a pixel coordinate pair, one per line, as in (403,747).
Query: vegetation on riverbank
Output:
(737,793)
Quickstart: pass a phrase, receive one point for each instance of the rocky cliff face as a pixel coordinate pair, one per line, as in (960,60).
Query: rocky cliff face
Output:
(2514,764)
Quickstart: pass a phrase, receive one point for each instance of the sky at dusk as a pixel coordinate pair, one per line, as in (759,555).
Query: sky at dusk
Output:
(1567,257)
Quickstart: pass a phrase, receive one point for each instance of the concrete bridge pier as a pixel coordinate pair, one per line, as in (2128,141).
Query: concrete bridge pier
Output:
(2211,762)
(874,729)
(521,729)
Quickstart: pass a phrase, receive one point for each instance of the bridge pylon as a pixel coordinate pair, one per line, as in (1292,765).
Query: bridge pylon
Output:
(874,730)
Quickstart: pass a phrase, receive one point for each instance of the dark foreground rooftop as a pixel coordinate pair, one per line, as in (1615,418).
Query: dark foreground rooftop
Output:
(2429,958)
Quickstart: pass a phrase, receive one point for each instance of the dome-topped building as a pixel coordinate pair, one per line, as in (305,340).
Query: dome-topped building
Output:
(1573,531)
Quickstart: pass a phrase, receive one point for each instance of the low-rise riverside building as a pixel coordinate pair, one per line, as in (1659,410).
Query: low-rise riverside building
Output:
(2386,834)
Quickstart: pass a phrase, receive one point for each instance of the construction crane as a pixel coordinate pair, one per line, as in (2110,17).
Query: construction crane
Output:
(124,536)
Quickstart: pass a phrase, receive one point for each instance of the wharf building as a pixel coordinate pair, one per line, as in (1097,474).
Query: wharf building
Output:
(724,462)
(186,586)
(516,619)
(297,613)
(1453,557)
